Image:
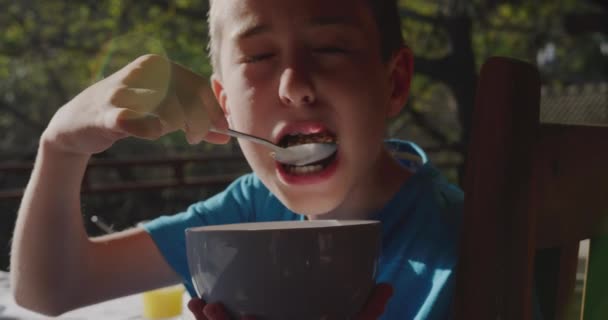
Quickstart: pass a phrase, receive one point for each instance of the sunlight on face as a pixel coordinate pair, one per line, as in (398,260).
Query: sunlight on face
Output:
(285,63)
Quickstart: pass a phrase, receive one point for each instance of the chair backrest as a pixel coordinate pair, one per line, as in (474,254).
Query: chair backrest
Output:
(532,192)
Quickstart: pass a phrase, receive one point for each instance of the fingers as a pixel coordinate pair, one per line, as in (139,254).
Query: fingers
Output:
(215,311)
(199,106)
(179,98)
(377,302)
(135,105)
(216,115)
(211,311)
(138,99)
(196,306)
(197,123)
(148,71)
(217,138)
(129,122)
(172,113)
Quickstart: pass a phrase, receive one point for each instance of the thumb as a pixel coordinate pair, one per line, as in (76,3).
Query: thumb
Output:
(216,311)
(133,123)
(218,138)
(196,306)
(216,115)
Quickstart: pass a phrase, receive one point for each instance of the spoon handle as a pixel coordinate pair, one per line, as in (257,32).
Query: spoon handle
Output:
(237,134)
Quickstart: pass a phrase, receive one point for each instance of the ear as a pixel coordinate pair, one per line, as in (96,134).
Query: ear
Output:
(220,94)
(401,69)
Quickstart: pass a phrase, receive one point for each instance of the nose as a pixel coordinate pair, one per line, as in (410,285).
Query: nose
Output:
(296,88)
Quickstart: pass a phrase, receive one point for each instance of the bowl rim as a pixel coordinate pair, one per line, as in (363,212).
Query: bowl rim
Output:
(261,226)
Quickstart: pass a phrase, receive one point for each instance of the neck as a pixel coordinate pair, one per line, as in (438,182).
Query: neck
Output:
(373,191)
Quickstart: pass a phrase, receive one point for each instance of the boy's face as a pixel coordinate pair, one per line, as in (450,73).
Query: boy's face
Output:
(311,67)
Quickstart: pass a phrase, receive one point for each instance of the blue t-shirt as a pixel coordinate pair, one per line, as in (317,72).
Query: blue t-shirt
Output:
(420,227)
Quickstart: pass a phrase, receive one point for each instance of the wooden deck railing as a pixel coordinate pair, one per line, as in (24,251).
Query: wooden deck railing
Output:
(177,177)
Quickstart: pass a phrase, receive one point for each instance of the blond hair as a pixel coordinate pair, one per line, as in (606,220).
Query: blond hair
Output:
(385,13)
(214,37)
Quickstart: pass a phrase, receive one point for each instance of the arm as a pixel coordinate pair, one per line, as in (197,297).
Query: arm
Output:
(55,267)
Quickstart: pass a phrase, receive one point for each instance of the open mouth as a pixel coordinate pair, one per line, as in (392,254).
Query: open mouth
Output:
(295,139)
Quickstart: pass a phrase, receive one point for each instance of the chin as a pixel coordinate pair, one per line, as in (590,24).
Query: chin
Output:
(310,205)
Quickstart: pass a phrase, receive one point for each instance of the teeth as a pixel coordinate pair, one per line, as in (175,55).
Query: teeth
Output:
(293,139)
(303,170)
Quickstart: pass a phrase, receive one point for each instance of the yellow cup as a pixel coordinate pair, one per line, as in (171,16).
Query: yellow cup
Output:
(164,303)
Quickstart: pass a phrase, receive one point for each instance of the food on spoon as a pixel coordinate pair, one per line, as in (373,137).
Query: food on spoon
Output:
(291,140)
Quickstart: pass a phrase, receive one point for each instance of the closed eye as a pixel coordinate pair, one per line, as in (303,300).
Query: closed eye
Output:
(330,50)
(257,58)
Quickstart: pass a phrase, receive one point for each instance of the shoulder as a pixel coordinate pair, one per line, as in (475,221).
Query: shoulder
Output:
(245,189)
(427,207)
(427,211)
(431,188)
(248,184)
(438,205)
(440,194)
(251,198)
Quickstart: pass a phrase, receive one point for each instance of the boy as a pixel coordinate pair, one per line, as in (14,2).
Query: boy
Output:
(323,69)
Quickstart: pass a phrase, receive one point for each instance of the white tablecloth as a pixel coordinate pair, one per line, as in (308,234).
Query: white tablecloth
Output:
(130,307)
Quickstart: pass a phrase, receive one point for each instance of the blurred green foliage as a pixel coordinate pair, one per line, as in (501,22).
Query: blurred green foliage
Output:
(50,50)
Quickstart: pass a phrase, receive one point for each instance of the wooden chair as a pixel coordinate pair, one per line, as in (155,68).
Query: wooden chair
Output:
(532,192)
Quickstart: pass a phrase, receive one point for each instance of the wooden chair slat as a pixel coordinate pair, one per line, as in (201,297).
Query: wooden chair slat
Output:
(595,302)
(532,192)
(491,281)
(572,169)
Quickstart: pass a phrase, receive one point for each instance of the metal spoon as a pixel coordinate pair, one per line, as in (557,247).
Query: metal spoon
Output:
(299,155)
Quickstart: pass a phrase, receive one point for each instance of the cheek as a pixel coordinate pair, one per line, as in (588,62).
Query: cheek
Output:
(355,82)
(259,73)
(252,151)
(363,115)
(249,100)
(240,101)
(362,103)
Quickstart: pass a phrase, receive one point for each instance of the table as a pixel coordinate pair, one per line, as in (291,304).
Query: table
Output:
(124,308)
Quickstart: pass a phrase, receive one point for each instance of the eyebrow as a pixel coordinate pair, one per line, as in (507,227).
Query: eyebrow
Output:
(333,21)
(248,30)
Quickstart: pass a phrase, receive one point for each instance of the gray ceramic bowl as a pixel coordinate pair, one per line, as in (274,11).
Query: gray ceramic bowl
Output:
(322,269)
